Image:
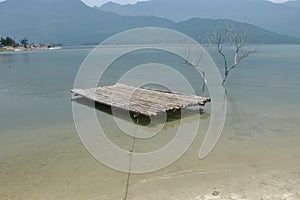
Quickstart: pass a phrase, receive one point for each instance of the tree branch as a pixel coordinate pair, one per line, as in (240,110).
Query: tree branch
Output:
(238,38)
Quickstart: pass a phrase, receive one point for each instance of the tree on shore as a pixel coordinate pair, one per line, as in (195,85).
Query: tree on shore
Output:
(8,41)
(237,37)
(24,42)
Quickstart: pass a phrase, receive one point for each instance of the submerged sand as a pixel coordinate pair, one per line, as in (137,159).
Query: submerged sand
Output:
(257,156)
(55,165)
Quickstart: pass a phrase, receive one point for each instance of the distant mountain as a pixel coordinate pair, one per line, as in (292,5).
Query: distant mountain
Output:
(65,21)
(199,28)
(72,22)
(275,17)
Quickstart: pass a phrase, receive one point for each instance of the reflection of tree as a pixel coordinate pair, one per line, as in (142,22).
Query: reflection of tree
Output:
(241,123)
(26,58)
(7,59)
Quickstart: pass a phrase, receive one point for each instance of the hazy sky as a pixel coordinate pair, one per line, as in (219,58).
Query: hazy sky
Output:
(100,2)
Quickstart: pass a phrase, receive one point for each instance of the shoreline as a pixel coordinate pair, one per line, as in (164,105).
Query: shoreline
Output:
(31,48)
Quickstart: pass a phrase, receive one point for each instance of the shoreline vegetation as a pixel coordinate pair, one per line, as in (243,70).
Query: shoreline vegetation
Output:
(10,45)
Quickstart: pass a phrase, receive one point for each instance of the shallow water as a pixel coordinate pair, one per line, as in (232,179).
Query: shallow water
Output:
(41,156)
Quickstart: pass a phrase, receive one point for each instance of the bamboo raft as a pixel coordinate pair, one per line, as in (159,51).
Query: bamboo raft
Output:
(144,101)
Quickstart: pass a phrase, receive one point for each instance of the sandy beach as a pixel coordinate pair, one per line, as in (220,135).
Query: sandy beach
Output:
(70,172)
(280,184)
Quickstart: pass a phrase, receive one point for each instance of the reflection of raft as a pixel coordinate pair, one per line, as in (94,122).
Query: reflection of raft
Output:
(143,101)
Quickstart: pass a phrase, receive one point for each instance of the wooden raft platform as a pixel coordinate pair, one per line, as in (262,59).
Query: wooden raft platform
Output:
(145,101)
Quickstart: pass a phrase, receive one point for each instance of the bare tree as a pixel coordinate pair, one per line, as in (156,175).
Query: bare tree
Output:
(237,37)
(195,63)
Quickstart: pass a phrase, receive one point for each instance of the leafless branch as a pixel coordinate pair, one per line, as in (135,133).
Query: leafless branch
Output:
(238,38)
(194,61)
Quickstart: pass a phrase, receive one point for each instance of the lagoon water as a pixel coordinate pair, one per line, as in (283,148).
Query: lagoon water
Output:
(41,156)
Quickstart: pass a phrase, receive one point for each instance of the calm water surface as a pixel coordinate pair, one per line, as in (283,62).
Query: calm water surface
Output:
(41,156)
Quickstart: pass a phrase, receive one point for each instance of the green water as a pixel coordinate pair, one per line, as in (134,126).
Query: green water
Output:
(41,156)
